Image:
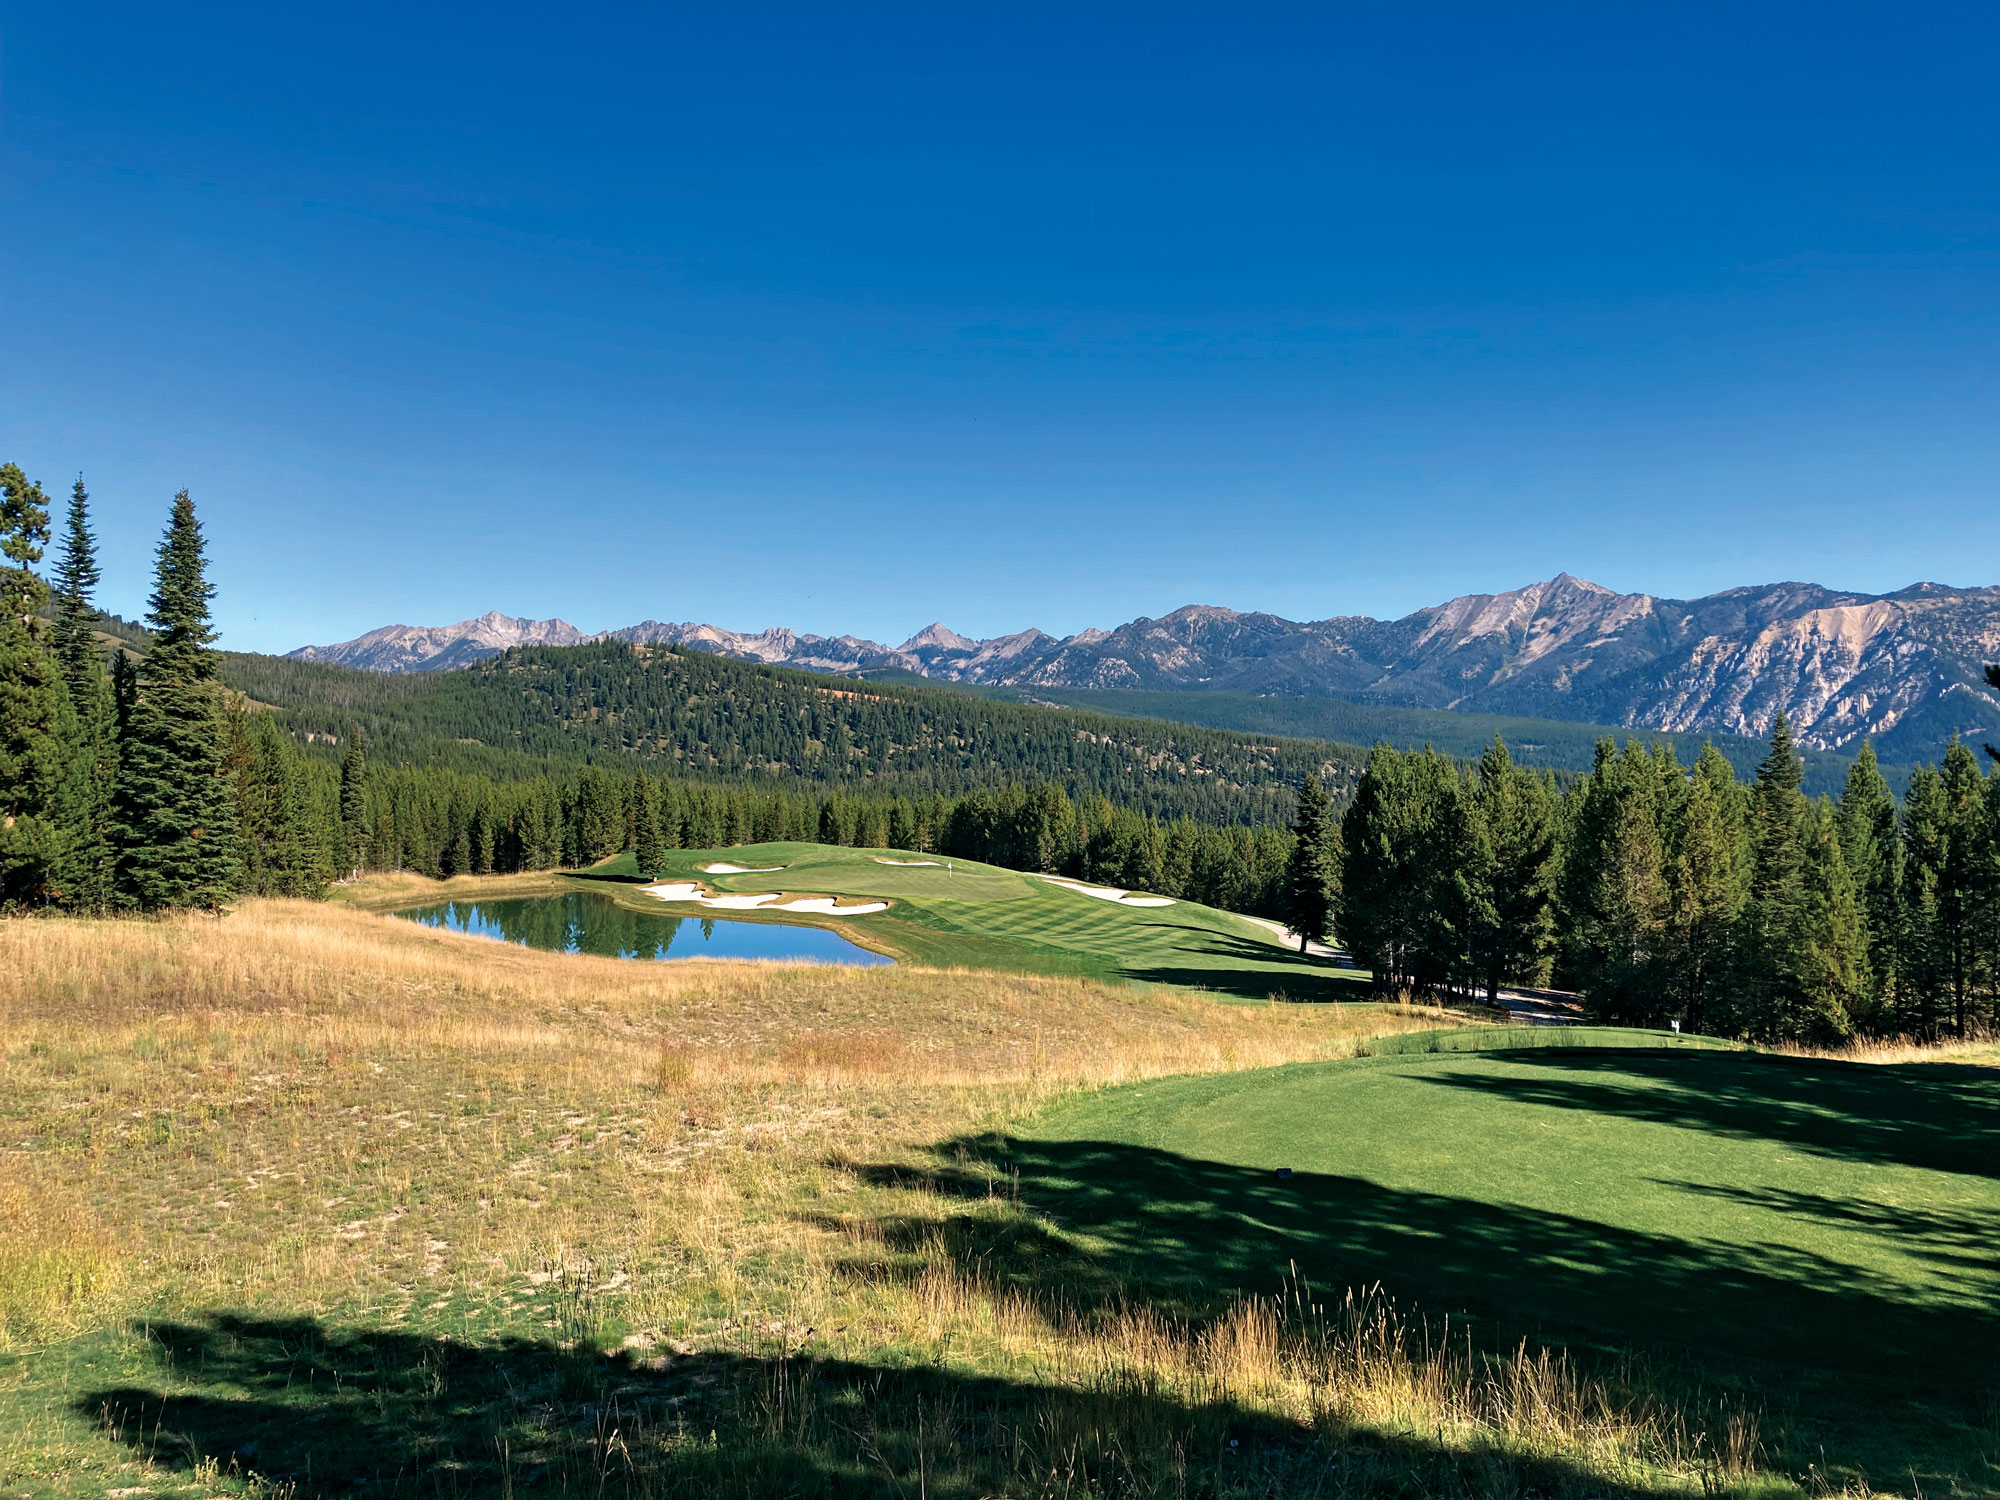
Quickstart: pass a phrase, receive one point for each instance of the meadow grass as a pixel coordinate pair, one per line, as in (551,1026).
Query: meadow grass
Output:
(307,1201)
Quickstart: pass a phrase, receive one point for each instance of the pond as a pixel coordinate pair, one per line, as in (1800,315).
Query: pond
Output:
(584,922)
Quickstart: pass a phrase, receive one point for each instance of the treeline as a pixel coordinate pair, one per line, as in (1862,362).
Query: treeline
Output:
(445,823)
(1665,893)
(149,786)
(699,717)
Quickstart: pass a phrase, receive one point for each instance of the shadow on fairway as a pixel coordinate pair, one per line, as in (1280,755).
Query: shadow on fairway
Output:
(1936,1115)
(1250,970)
(305,1410)
(1866,1369)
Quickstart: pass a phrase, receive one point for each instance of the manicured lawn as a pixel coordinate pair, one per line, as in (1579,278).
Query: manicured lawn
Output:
(1822,1238)
(981,916)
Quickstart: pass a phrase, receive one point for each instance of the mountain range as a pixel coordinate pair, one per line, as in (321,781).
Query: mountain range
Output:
(1904,669)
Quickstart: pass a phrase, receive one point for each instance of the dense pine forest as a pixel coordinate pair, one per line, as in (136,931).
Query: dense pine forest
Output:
(141,770)
(695,715)
(1668,894)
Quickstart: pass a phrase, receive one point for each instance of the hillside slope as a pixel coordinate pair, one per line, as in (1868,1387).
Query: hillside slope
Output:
(705,716)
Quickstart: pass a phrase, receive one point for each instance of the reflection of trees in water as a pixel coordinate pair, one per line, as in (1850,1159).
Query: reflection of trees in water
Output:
(575,923)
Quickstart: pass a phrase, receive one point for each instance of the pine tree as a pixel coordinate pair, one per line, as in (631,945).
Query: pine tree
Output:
(1777,919)
(649,846)
(34,708)
(1511,869)
(92,751)
(354,802)
(75,583)
(1614,884)
(1832,965)
(1310,876)
(175,829)
(1874,853)
(1707,874)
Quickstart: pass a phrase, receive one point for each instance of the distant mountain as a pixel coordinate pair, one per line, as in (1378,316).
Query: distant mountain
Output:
(1902,668)
(434,648)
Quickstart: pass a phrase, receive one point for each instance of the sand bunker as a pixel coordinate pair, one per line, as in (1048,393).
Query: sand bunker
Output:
(1106,893)
(932,862)
(729,869)
(687,890)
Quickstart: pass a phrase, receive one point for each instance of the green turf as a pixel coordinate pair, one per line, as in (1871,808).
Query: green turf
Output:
(1818,1239)
(981,916)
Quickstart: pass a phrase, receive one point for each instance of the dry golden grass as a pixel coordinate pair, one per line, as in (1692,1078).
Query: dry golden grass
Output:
(310,1111)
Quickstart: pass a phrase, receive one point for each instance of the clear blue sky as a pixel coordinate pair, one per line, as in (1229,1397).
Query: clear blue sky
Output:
(849,317)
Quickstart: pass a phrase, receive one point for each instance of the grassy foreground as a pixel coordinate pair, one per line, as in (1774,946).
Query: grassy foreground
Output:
(311,1202)
(1814,1237)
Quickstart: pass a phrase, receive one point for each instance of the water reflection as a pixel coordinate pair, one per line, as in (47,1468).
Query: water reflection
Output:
(584,922)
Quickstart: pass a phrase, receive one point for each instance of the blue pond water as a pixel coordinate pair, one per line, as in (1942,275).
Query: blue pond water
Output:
(582,922)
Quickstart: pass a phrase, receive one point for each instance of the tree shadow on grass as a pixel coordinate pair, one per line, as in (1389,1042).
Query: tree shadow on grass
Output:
(1250,970)
(1941,1117)
(292,1406)
(1863,1373)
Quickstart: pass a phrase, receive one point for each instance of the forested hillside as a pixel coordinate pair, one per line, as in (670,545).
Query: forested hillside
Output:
(691,714)
(1552,743)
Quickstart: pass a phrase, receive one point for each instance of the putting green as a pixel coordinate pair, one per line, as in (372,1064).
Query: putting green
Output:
(1821,1235)
(981,916)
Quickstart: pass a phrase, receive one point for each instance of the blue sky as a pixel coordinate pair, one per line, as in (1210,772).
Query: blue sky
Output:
(852,317)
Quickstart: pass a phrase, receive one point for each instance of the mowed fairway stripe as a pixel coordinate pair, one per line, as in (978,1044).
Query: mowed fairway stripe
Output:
(979,915)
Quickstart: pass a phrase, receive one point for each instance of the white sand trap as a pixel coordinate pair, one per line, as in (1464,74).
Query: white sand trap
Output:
(1106,893)
(728,869)
(687,890)
(932,862)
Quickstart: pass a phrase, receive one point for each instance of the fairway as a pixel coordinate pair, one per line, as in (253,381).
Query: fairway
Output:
(1819,1236)
(974,915)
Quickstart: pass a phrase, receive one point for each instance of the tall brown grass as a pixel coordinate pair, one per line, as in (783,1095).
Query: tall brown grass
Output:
(320,1112)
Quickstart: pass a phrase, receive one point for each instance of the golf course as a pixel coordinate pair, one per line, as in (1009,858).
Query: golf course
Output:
(1815,1237)
(1076,1196)
(963,914)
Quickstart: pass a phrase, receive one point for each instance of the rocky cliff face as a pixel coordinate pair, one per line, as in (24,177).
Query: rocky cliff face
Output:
(1904,669)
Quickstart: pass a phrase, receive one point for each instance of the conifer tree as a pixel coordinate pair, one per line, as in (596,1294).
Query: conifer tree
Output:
(1874,852)
(354,802)
(1614,883)
(1707,875)
(1511,868)
(1776,917)
(90,743)
(1832,964)
(33,706)
(76,577)
(649,846)
(174,827)
(1311,873)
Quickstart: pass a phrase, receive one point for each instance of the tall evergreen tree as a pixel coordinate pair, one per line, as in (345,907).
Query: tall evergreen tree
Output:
(76,577)
(648,844)
(34,717)
(1614,884)
(1874,852)
(1311,875)
(175,829)
(1707,879)
(1832,962)
(91,744)
(1512,858)
(354,801)
(1774,916)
